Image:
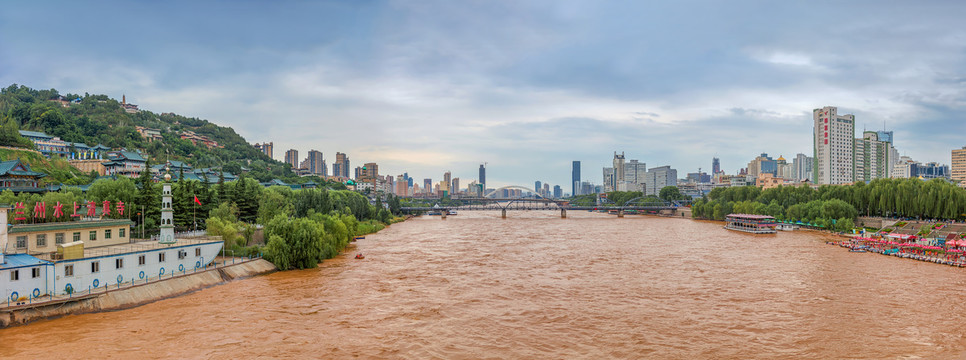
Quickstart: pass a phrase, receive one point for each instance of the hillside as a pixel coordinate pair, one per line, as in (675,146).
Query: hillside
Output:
(57,170)
(98,119)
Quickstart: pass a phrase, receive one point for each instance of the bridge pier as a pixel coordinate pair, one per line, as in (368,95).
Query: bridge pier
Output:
(442,214)
(504,213)
(620,213)
(563,213)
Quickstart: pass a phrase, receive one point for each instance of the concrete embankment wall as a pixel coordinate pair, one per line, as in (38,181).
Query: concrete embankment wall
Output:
(876,222)
(138,295)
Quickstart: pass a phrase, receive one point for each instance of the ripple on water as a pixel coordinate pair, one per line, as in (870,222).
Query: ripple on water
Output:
(536,286)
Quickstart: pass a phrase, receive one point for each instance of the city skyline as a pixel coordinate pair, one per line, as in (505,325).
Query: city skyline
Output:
(526,87)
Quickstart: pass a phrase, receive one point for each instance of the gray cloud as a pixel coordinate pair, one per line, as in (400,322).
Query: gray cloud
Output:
(526,86)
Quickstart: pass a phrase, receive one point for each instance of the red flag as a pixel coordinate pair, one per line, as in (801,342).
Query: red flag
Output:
(197,201)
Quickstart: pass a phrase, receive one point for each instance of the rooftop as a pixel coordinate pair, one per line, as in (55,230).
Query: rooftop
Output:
(19,260)
(68,225)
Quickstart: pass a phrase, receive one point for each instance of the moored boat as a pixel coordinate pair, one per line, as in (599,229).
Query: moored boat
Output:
(755,224)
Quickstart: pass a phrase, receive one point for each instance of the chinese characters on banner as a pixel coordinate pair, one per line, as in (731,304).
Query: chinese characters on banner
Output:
(40,210)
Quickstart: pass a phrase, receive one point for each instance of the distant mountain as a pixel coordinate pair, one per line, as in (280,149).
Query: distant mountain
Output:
(98,119)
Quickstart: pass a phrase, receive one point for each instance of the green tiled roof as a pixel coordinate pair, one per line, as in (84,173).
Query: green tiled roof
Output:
(128,155)
(7,167)
(69,225)
(35,134)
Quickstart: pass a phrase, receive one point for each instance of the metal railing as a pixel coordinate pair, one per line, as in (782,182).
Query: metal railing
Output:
(49,297)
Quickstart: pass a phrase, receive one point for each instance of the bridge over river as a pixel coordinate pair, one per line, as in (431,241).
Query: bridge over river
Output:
(490,203)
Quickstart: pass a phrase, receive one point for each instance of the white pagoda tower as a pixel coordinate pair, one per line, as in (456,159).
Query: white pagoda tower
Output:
(167,213)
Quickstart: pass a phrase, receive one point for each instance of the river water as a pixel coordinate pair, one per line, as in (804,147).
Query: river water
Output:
(537,286)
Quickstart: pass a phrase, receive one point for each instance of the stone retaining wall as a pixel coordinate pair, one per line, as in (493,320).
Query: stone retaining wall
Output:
(138,295)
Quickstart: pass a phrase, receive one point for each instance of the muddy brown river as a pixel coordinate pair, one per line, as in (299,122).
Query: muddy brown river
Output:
(537,286)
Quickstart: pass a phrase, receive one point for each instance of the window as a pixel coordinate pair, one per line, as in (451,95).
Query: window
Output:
(107,234)
(15,275)
(41,240)
(161,257)
(197,251)
(93,235)
(22,242)
(118,263)
(120,233)
(77,236)
(95,266)
(68,270)
(142,260)
(59,238)
(35,272)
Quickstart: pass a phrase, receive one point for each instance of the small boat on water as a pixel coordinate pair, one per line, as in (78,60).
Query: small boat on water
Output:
(755,224)
(857,250)
(360,256)
(451,212)
(359,238)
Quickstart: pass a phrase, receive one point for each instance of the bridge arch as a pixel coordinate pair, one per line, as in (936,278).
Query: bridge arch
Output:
(628,202)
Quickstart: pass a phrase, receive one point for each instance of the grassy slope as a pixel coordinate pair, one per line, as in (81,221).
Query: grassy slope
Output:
(57,170)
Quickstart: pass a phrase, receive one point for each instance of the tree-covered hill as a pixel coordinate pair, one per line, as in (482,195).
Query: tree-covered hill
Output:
(98,119)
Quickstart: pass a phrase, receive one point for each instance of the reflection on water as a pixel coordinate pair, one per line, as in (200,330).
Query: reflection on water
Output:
(537,286)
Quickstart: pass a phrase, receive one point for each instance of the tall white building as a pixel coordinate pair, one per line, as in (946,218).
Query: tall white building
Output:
(802,167)
(872,157)
(659,177)
(609,179)
(618,179)
(834,144)
(635,173)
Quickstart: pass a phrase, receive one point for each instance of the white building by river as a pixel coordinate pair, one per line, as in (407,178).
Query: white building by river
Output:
(105,258)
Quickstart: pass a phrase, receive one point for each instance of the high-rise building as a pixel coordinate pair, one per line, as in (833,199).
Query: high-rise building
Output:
(266,148)
(402,187)
(715,166)
(482,179)
(369,172)
(930,170)
(537,187)
(762,164)
(617,182)
(456,186)
(609,179)
(959,165)
(833,146)
(341,165)
(635,173)
(802,167)
(448,179)
(427,186)
(660,177)
(292,158)
(546,190)
(872,157)
(557,192)
(315,163)
(783,169)
(575,178)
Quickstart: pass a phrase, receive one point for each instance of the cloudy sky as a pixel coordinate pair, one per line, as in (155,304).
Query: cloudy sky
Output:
(526,86)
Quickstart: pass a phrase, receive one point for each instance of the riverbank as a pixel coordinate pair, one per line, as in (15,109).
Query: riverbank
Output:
(136,295)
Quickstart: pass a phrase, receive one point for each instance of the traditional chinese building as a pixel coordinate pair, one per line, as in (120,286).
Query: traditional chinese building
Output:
(125,163)
(53,146)
(17,177)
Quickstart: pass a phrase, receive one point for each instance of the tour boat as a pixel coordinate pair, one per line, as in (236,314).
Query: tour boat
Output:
(755,224)
(451,212)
